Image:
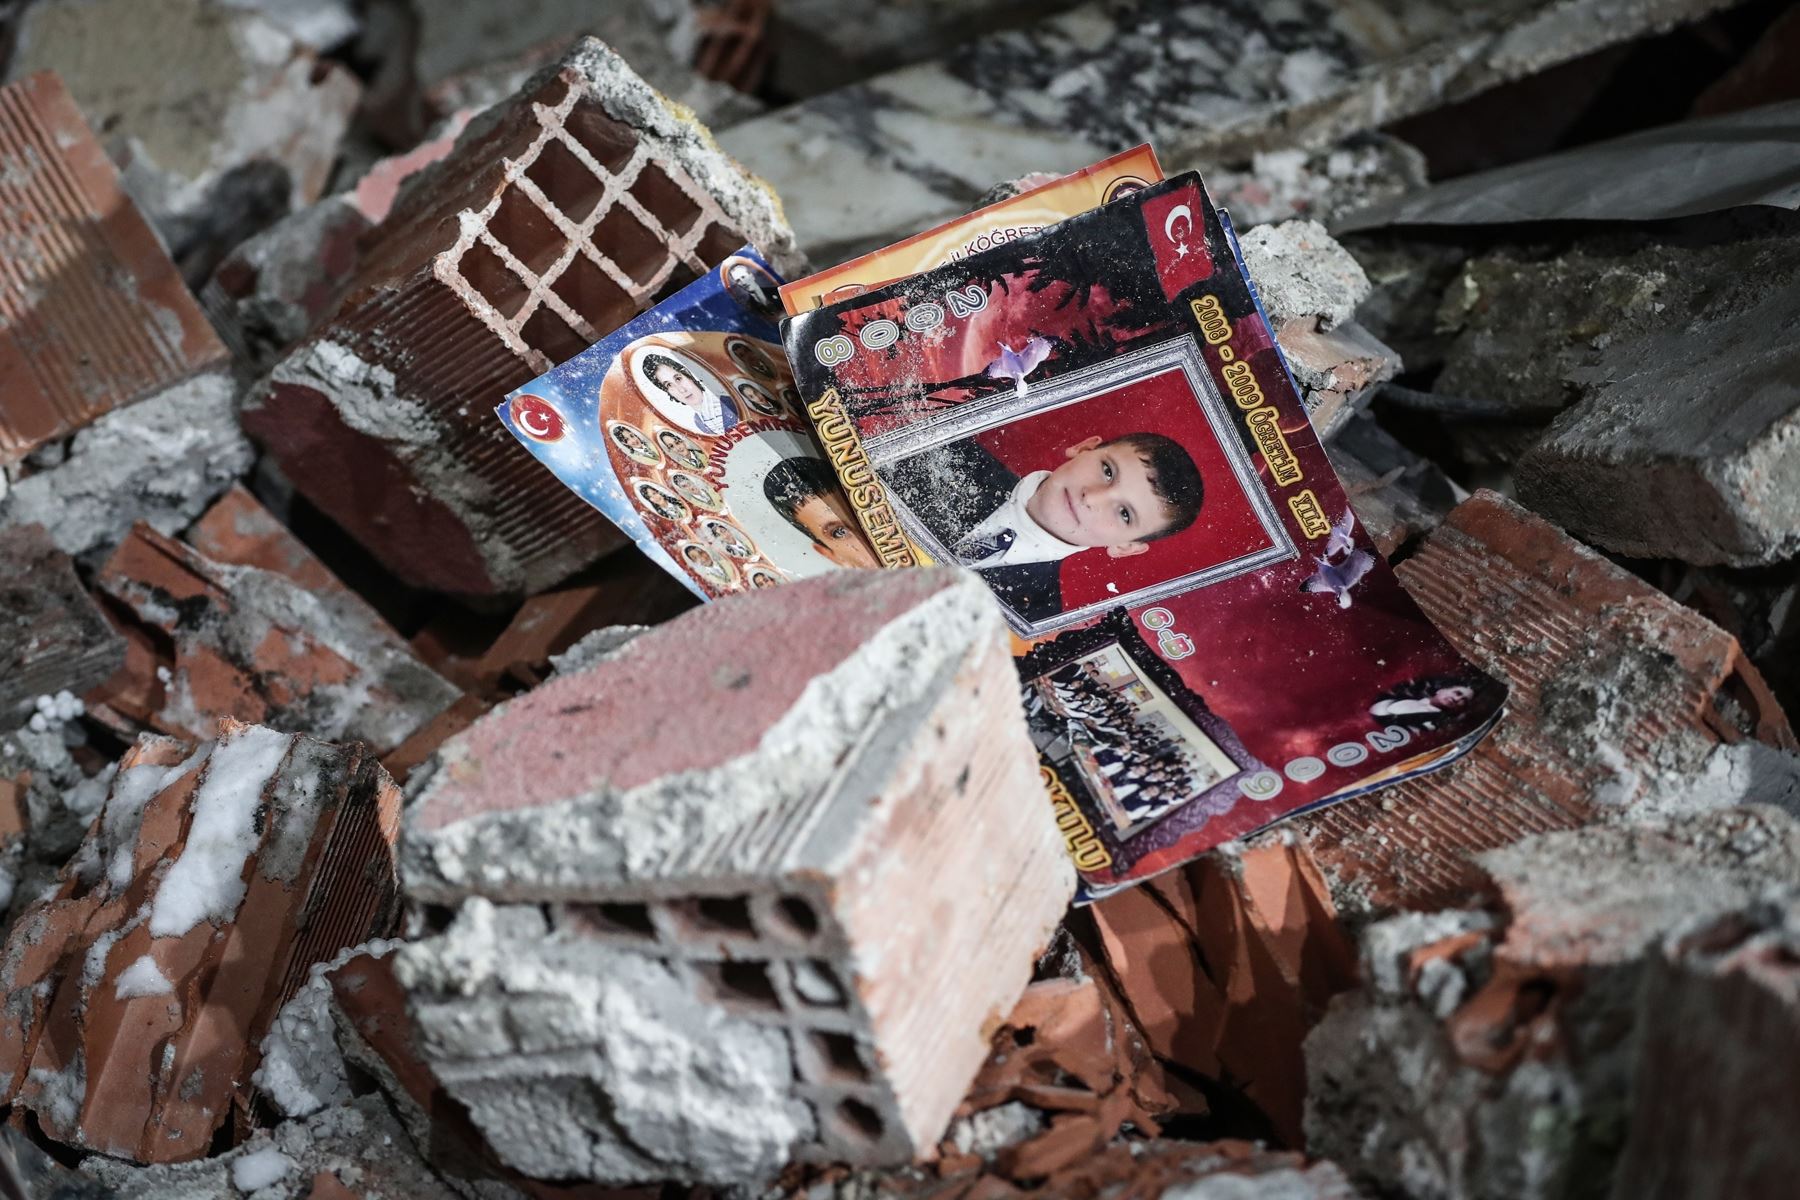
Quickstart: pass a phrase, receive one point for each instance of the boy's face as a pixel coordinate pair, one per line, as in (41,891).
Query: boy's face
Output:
(1100,496)
(833,528)
(678,385)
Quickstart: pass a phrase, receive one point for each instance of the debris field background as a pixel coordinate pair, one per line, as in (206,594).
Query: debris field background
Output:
(375,822)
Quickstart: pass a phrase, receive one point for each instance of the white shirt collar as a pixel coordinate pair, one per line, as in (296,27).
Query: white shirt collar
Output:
(1031,543)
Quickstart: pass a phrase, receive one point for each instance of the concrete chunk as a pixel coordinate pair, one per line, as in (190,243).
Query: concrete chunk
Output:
(1208,83)
(1687,441)
(1722,1003)
(1533,1030)
(855,851)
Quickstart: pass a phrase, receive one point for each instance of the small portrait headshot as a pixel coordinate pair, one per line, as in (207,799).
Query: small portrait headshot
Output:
(805,491)
(1429,702)
(757,397)
(660,500)
(753,288)
(791,398)
(695,490)
(760,577)
(632,441)
(1118,495)
(727,537)
(705,563)
(685,393)
(680,450)
(751,356)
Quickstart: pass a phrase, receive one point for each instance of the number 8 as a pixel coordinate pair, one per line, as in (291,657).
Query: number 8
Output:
(835,349)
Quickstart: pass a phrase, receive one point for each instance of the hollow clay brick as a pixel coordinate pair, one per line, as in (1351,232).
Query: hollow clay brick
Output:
(560,215)
(832,865)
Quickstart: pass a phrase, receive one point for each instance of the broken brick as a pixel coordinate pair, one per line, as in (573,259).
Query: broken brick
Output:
(273,288)
(1225,964)
(254,645)
(1721,1011)
(238,530)
(232,121)
(1538,1028)
(52,637)
(627,589)
(95,314)
(210,882)
(1068,1049)
(855,852)
(1621,700)
(558,216)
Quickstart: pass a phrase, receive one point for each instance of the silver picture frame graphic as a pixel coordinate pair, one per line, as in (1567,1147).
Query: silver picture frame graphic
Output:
(1090,385)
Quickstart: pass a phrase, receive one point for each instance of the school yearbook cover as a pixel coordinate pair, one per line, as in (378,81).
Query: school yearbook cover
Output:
(1097,421)
(684,428)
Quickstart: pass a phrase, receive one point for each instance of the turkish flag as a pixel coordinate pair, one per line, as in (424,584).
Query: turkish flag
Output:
(1178,238)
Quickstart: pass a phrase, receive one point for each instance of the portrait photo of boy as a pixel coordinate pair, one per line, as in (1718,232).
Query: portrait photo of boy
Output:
(1113,484)
(1116,496)
(806,493)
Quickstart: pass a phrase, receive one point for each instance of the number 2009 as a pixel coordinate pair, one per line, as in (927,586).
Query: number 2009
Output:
(920,318)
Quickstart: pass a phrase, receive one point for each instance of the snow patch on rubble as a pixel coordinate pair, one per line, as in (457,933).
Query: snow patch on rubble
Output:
(113,847)
(302,1069)
(207,882)
(260,1168)
(61,1093)
(52,712)
(142,978)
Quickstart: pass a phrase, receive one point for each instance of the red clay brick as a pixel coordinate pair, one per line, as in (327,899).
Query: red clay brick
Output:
(1618,696)
(92,313)
(536,236)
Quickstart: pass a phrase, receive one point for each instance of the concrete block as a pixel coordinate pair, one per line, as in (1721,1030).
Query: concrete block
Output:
(219,119)
(831,894)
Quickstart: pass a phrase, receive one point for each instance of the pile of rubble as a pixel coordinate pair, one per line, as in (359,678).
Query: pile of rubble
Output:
(375,823)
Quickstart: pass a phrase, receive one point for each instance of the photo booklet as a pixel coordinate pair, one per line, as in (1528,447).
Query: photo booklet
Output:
(1094,418)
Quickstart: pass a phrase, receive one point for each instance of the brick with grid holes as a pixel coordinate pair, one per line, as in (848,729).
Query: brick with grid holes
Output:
(746,908)
(559,215)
